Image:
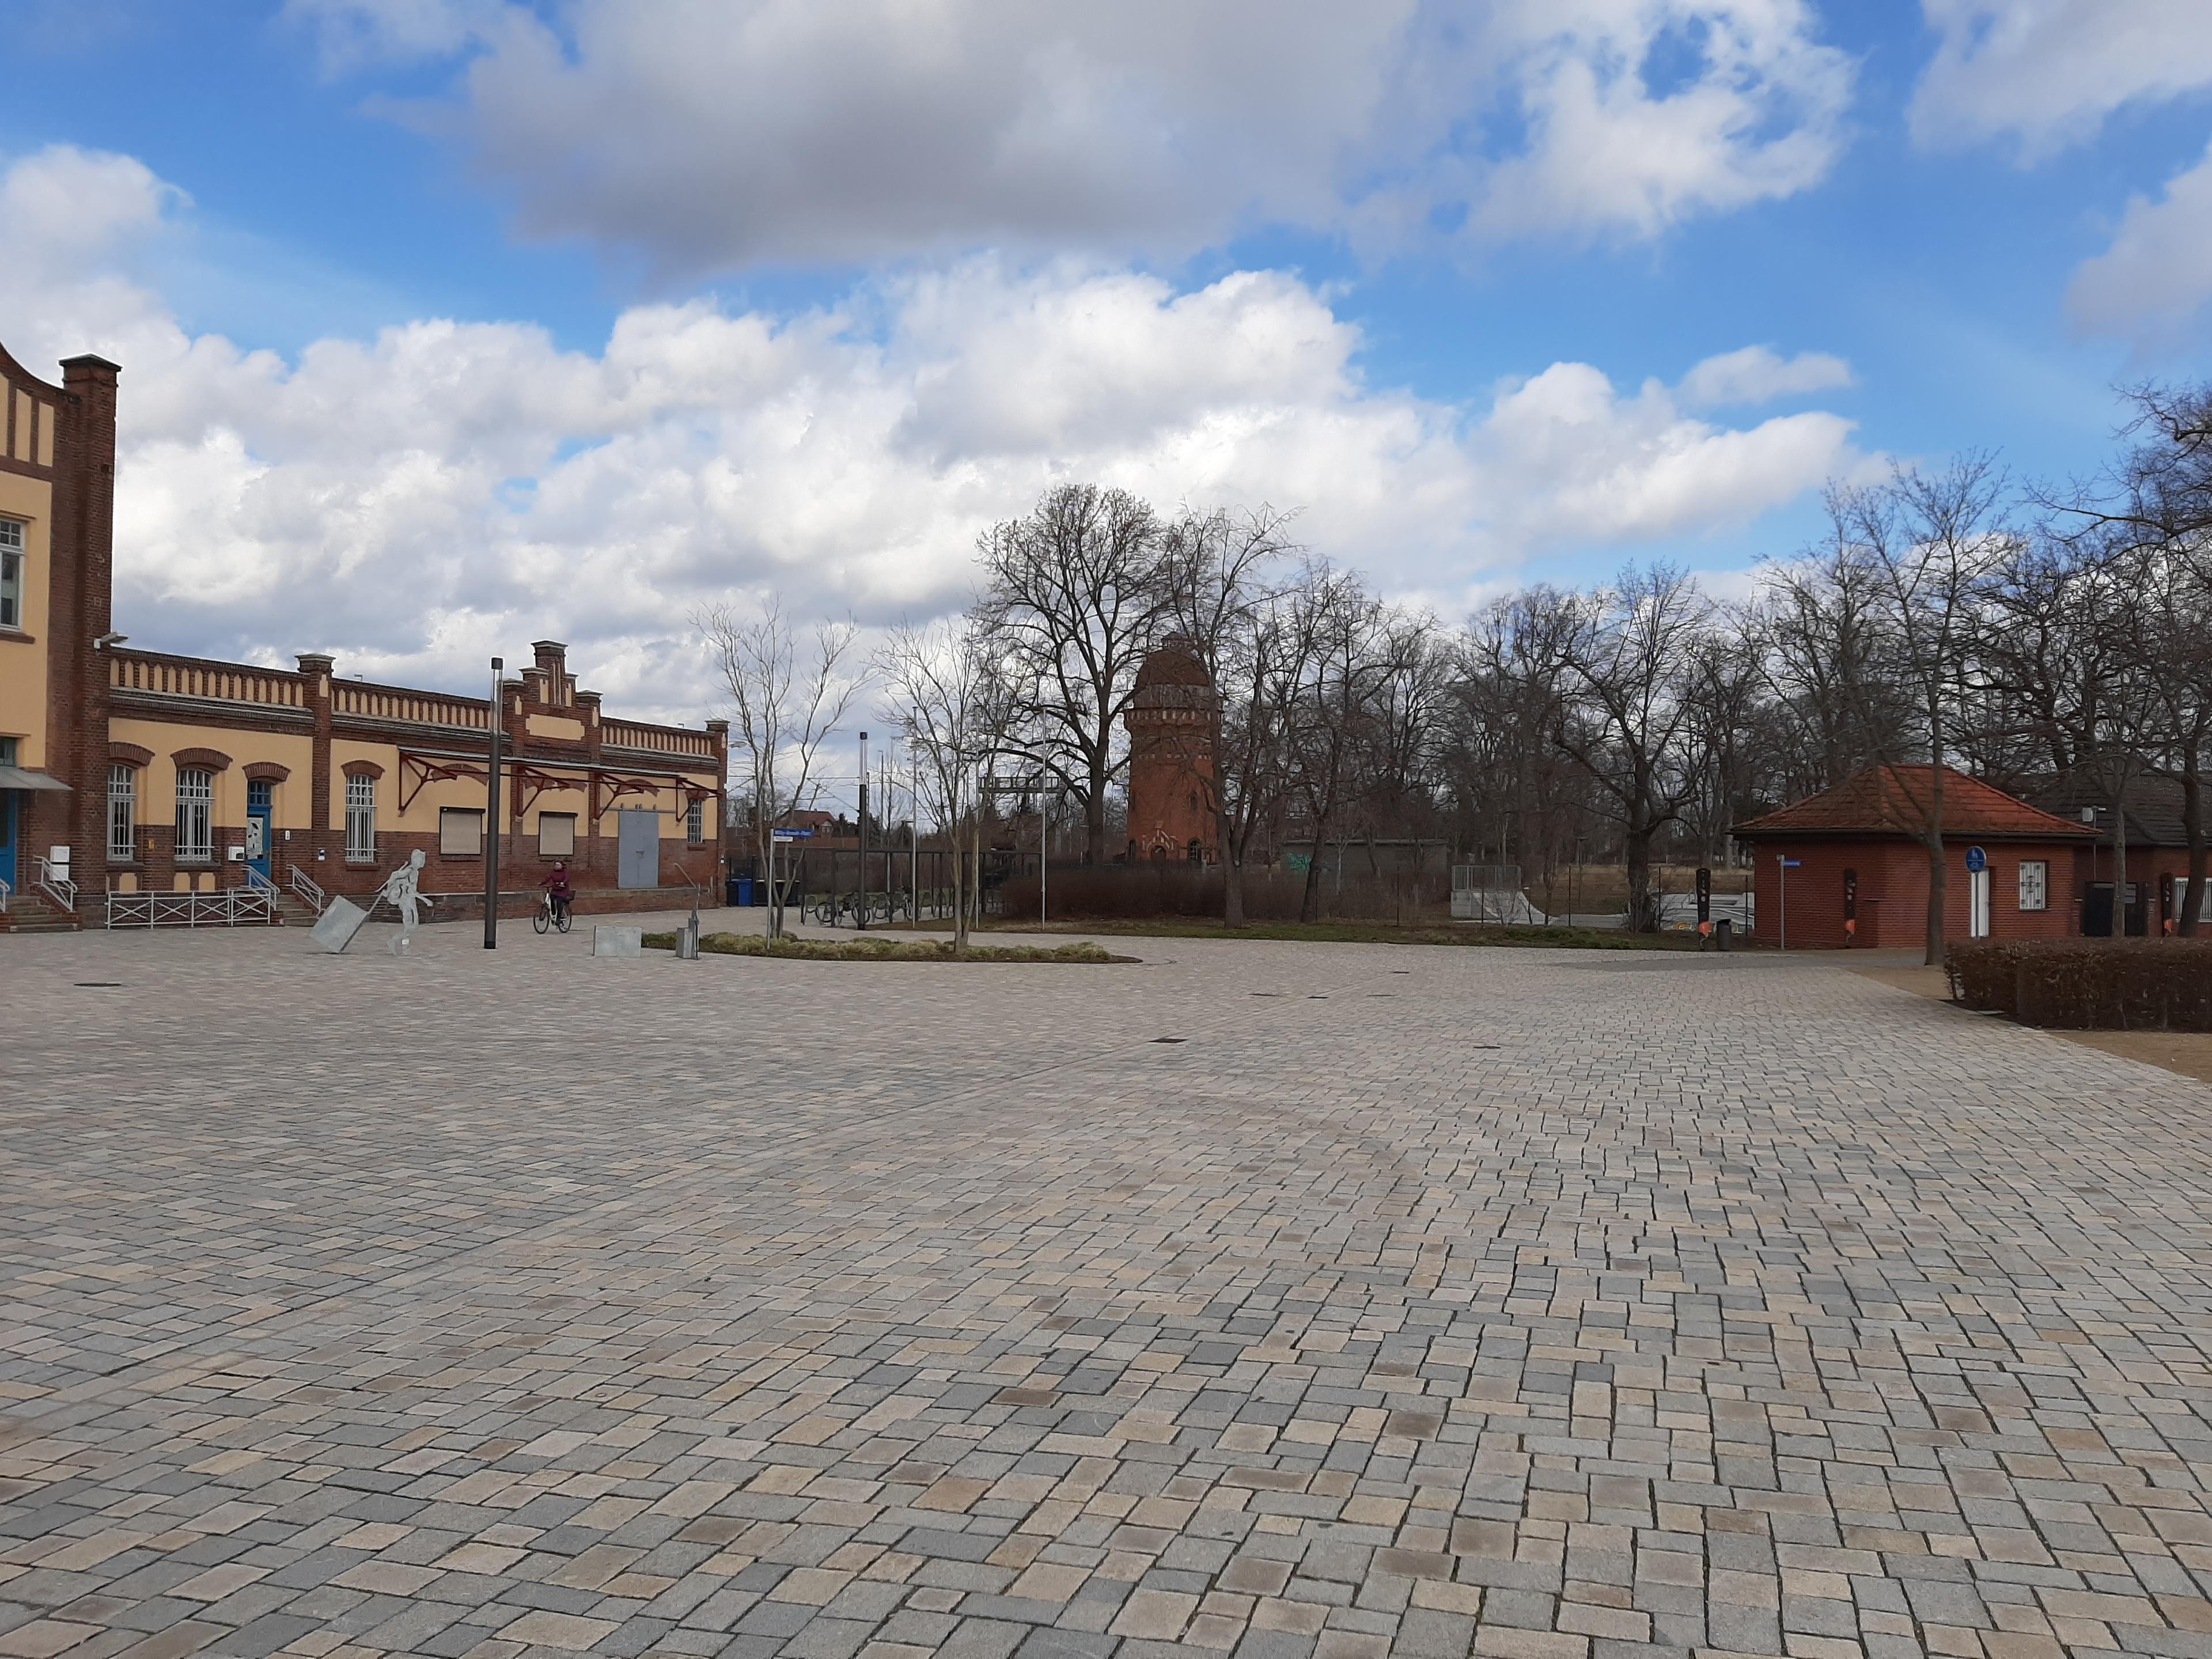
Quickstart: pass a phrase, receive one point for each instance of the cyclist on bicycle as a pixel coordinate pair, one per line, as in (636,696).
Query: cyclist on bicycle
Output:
(559,891)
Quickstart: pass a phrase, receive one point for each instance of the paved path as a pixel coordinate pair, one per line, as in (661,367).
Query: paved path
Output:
(1539,1305)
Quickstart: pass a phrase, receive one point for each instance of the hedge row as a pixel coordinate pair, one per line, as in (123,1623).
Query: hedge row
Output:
(2087,984)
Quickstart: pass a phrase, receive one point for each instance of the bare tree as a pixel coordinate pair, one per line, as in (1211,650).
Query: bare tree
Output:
(786,698)
(1075,595)
(1930,541)
(1342,631)
(1629,652)
(1230,607)
(954,704)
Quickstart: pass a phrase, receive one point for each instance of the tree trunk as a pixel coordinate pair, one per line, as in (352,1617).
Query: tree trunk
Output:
(2120,858)
(1232,889)
(1938,877)
(1637,842)
(1310,901)
(1094,817)
(2192,828)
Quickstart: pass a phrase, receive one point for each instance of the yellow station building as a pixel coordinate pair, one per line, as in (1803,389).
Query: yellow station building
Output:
(129,777)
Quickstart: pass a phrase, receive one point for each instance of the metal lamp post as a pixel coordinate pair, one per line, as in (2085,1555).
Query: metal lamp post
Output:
(861,916)
(491,815)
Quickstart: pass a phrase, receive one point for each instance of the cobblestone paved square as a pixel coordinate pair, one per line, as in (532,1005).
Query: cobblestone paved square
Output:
(1533,1305)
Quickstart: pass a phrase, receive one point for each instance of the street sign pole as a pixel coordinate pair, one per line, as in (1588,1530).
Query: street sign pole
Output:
(491,813)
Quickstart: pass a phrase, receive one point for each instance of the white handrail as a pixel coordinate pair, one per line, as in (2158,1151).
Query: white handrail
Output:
(6,893)
(56,886)
(307,888)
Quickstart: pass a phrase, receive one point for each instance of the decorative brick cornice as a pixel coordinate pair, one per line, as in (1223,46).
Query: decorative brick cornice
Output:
(267,772)
(130,754)
(362,770)
(212,760)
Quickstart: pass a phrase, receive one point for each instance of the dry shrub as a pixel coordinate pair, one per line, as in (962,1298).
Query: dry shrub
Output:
(885,950)
(2087,984)
(1273,893)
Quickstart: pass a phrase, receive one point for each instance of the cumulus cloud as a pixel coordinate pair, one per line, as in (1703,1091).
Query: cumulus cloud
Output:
(420,500)
(2157,275)
(712,134)
(2045,74)
(1760,375)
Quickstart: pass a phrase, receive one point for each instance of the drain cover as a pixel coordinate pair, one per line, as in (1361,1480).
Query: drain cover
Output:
(1171,1039)
(99,985)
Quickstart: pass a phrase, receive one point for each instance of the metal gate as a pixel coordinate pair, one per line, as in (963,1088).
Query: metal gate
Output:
(638,849)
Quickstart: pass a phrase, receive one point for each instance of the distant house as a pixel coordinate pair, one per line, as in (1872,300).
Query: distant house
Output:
(2157,863)
(1846,867)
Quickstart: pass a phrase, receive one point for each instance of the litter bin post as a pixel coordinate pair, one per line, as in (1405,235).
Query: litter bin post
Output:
(1723,930)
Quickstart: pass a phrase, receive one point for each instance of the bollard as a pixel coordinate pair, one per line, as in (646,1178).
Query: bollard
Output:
(687,940)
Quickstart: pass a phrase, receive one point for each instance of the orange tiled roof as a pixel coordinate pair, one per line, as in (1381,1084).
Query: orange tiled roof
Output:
(1894,800)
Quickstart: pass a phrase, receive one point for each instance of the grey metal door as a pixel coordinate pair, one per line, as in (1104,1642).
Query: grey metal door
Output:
(638,849)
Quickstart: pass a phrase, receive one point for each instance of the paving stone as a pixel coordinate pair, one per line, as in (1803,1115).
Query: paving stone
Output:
(1575,1306)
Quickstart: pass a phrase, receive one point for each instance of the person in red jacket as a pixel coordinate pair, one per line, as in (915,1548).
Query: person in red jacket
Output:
(559,890)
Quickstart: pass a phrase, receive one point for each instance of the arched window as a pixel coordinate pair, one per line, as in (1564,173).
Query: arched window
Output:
(195,814)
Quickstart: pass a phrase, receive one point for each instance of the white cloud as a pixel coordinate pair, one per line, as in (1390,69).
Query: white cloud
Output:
(2157,275)
(1758,374)
(418,500)
(712,134)
(2047,73)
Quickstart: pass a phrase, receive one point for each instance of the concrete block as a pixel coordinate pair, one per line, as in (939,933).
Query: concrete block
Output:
(335,928)
(617,941)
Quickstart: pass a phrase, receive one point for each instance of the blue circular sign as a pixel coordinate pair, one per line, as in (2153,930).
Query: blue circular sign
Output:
(1977,860)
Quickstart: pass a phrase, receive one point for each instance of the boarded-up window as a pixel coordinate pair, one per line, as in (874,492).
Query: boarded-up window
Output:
(557,834)
(461,831)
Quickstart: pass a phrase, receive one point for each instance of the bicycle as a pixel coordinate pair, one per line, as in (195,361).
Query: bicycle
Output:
(550,915)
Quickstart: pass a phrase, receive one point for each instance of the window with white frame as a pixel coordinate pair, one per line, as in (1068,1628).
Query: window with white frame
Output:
(122,813)
(2034,884)
(695,822)
(195,814)
(11,573)
(461,831)
(557,834)
(361,818)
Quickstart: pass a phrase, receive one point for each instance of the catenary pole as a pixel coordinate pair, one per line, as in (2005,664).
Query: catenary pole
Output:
(861,919)
(491,811)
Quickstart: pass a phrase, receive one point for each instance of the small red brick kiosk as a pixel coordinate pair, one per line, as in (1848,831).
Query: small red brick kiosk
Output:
(1856,874)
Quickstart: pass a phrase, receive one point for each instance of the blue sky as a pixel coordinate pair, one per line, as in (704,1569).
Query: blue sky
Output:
(447,323)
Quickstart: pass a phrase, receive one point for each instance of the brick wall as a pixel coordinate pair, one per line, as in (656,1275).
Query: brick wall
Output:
(1893,891)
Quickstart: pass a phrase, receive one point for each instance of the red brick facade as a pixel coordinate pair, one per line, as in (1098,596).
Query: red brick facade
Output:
(1892,883)
(1170,726)
(1856,849)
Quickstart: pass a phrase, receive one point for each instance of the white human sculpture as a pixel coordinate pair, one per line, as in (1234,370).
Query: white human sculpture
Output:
(403,890)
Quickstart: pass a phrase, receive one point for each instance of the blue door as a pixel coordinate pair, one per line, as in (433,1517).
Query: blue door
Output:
(8,838)
(257,824)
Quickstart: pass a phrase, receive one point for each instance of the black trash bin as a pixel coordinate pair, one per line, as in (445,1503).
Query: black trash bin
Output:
(1723,930)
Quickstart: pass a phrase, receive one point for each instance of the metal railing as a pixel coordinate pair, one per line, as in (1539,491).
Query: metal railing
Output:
(56,886)
(232,906)
(306,888)
(7,892)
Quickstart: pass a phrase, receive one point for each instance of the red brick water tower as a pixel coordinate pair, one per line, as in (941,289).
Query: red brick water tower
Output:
(1171,722)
